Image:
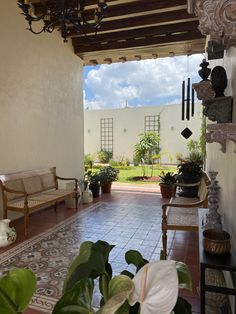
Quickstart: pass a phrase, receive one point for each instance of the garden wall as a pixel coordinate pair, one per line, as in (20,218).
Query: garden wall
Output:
(129,122)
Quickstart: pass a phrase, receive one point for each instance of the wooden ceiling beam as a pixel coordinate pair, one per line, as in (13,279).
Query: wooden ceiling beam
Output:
(136,33)
(136,21)
(139,42)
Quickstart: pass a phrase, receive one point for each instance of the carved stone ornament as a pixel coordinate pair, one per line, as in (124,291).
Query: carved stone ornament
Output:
(217,18)
(203,90)
(213,218)
(220,133)
(218,109)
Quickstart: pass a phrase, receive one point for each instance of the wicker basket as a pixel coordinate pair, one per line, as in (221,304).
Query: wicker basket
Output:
(216,241)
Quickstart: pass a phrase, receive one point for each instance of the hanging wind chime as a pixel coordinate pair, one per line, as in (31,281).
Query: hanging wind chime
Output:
(187,103)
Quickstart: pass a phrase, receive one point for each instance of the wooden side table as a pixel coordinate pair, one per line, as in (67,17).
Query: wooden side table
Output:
(225,262)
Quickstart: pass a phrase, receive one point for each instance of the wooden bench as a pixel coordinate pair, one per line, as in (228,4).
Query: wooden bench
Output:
(29,190)
(181,213)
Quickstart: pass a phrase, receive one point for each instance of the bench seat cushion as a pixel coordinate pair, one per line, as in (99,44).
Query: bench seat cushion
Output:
(60,192)
(182,217)
(43,198)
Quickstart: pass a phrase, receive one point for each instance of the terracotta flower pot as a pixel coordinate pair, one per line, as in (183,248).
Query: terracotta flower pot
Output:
(106,187)
(166,190)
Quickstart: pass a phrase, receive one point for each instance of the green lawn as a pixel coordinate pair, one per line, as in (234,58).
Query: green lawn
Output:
(125,176)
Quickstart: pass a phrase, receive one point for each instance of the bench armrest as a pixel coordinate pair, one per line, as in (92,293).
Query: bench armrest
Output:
(187,184)
(185,205)
(8,190)
(70,179)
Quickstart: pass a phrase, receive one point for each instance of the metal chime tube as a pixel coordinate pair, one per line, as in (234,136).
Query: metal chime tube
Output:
(192,107)
(188,101)
(183,99)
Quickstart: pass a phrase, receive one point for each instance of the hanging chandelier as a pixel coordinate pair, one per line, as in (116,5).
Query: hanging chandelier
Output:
(64,15)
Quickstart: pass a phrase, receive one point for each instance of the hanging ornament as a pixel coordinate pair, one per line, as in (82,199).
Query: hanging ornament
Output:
(186,133)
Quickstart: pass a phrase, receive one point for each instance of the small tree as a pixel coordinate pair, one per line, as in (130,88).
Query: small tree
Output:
(147,146)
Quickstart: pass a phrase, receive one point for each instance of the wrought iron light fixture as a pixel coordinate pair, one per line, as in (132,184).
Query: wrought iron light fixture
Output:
(64,15)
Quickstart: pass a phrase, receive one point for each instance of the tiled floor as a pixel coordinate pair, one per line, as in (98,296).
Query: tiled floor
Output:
(183,246)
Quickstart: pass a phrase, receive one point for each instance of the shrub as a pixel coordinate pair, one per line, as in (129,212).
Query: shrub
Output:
(104,156)
(108,174)
(88,160)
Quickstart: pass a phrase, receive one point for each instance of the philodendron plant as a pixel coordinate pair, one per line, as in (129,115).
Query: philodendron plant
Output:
(153,289)
(16,291)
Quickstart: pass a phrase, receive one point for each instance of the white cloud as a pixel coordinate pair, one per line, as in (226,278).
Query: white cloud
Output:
(146,82)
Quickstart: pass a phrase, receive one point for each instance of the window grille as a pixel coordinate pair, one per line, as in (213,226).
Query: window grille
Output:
(106,131)
(152,124)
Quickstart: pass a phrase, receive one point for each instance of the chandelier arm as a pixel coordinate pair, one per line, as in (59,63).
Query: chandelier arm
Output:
(64,17)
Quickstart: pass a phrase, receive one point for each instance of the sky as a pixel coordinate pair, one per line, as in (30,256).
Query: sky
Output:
(151,82)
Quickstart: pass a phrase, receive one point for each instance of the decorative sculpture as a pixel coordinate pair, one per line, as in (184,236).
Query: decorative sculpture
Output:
(213,218)
(219,81)
(219,108)
(203,88)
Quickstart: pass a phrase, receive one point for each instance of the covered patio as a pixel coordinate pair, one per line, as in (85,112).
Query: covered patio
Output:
(42,125)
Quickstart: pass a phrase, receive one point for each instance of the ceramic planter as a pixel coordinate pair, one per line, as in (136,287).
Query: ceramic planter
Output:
(95,188)
(7,234)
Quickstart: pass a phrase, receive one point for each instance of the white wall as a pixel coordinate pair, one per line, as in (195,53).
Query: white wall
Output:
(41,111)
(225,164)
(132,119)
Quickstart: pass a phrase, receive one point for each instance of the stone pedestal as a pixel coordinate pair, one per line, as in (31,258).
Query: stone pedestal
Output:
(218,109)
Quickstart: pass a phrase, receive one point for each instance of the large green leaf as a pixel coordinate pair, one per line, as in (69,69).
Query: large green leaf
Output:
(119,289)
(16,290)
(97,256)
(133,257)
(182,307)
(84,254)
(78,300)
(184,276)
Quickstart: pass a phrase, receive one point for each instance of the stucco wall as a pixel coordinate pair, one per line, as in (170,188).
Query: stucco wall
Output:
(132,121)
(41,115)
(225,164)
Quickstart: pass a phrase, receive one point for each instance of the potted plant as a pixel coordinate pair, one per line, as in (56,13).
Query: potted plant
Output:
(189,171)
(167,181)
(94,183)
(107,175)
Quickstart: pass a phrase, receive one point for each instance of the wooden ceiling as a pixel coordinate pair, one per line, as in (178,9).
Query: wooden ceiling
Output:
(139,29)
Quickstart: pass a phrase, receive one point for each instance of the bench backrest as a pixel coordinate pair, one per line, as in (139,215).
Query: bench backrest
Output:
(31,181)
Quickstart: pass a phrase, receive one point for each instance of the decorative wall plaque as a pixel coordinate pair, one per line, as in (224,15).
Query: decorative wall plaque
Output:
(220,133)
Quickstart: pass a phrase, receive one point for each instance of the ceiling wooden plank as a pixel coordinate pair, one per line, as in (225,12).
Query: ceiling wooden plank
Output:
(139,42)
(139,7)
(137,21)
(136,33)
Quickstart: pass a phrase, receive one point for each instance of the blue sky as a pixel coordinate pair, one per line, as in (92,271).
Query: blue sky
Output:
(141,83)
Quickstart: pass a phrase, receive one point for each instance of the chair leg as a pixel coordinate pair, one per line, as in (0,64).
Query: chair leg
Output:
(4,213)
(55,206)
(76,201)
(26,221)
(164,243)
